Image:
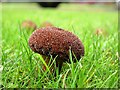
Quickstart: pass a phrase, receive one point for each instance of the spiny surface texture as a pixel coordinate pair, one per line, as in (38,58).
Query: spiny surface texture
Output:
(55,41)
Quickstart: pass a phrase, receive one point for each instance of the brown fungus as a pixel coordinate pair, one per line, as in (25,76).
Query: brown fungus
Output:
(28,24)
(56,42)
(100,32)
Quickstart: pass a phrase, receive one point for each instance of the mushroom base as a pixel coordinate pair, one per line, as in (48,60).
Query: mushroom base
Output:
(58,64)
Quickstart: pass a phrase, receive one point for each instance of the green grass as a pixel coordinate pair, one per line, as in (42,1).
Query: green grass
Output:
(23,68)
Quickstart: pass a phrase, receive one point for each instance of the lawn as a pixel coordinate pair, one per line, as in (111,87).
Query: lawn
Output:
(23,68)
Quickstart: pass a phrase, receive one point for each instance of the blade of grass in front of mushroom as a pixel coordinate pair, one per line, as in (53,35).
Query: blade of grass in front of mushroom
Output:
(71,61)
(75,78)
(59,80)
(77,61)
(50,63)
(53,64)
(44,63)
(64,78)
(76,70)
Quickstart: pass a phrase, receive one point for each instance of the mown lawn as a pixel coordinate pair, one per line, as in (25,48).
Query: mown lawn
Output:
(23,68)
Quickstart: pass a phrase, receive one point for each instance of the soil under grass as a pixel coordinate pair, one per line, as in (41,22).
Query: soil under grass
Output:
(23,68)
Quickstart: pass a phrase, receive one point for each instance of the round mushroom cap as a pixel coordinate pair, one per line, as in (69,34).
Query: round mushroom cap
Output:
(29,25)
(56,42)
